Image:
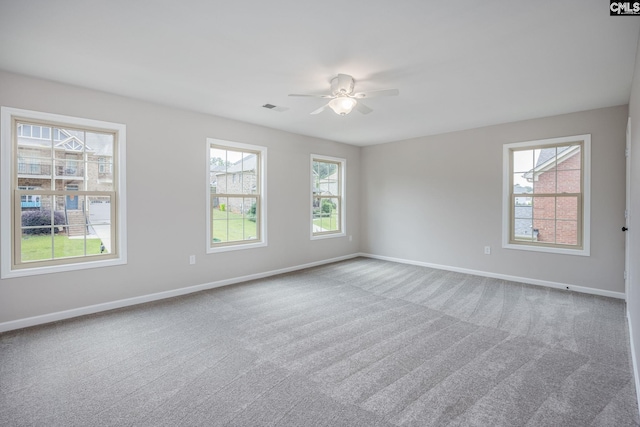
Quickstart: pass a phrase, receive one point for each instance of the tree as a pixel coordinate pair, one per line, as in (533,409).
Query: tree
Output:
(324,169)
(218,161)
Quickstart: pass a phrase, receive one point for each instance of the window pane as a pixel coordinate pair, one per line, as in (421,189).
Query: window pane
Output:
(37,214)
(68,164)
(219,217)
(75,215)
(545,230)
(569,157)
(38,224)
(569,181)
(522,183)
(233,157)
(34,157)
(523,161)
(72,139)
(545,182)
(567,232)
(523,229)
(36,247)
(67,244)
(235,228)
(222,182)
(100,155)
(100,174)
(523,212)
(523,201)
(567,208)
(544,208)
(99,222)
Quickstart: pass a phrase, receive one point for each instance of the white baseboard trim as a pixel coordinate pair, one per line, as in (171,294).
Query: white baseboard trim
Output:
(634,359)
(549,284)
(91,309)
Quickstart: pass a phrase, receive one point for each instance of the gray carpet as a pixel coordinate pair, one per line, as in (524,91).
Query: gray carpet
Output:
(357,343)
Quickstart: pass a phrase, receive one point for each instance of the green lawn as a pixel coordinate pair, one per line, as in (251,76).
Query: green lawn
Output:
(329,223)
(232,227)
(38,247)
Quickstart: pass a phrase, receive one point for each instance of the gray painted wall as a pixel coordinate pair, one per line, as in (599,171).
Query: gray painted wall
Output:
(166,167)
(438,200)
(433,199)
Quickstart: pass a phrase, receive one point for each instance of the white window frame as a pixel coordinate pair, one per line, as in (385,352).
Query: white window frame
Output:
(7,157)
(262,211)
(343,200)
(507,219)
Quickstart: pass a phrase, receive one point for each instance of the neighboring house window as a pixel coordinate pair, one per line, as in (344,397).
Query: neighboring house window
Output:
(547,195)
(235,198)
(59,215)
(327,196)
(33,131)
(29,200)
(104,165)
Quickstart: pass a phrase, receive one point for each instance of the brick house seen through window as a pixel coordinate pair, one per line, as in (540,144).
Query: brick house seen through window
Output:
(546,195)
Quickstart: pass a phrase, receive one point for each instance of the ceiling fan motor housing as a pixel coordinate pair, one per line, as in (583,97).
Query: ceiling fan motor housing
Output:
(342,84)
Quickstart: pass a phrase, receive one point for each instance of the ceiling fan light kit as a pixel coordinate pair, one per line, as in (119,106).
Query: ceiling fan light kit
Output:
(342,105)
(343,98)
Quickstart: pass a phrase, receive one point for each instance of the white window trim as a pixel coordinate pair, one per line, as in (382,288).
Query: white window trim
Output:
(6,160)
(263,196)
(343,198)
(586,196)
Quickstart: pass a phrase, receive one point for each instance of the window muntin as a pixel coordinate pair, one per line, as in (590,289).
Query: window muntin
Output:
(327,188)
(59,214)
(235,212)
(546,195)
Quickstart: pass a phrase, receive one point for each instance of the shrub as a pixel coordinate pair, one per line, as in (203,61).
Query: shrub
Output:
(251,215)
(328,206)
(223,207)
(41,217)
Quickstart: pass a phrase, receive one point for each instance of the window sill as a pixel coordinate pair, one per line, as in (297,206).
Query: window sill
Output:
(551,250)
(237,247)
(327,236)
(33,271)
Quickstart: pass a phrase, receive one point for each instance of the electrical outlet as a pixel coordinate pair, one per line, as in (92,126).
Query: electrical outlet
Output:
(487,250)
(350,238)
(192,259)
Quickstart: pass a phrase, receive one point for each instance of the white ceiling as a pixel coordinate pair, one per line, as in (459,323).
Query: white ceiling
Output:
(458,65)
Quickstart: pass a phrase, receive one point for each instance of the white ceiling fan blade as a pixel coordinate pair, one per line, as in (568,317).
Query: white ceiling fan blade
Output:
(312,96)
(376,93)
(363,108)
(320,110)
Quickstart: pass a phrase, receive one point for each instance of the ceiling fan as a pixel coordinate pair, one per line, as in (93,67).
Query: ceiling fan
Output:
(344,100)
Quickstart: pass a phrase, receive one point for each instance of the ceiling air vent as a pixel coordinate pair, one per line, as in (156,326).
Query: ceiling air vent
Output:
(274,108)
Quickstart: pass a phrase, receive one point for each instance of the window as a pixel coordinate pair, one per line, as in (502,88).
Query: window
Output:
(327,196)
(59,215)
(235,195)
(104,166)
(34,131)
(546,195)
